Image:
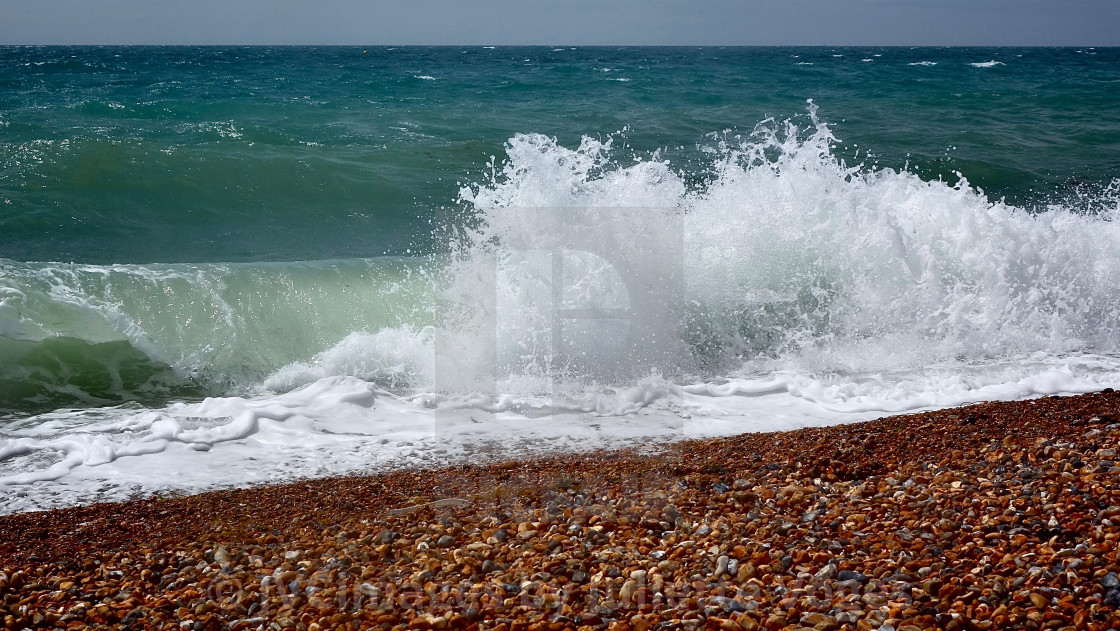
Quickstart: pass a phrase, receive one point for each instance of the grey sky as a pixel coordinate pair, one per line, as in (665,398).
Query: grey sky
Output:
(573,22)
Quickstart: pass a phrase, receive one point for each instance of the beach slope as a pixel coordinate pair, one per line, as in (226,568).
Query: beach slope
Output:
(990,516)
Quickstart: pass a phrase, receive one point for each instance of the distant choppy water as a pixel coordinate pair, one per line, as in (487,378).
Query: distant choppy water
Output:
(286,227)
(142,155)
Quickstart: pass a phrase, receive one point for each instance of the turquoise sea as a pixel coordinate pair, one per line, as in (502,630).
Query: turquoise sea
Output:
(204,233)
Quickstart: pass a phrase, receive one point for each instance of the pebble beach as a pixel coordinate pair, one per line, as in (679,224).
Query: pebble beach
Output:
(988,516)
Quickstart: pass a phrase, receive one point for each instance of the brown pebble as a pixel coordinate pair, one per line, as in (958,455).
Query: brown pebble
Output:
(1005,521)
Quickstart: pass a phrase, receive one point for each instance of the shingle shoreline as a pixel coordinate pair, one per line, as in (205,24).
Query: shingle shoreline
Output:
(991,516)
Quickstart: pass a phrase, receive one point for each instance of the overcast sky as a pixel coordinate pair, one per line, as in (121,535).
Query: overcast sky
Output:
(572,22)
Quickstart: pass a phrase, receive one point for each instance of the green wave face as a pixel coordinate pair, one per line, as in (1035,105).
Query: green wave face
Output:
(129,332)
(67,372)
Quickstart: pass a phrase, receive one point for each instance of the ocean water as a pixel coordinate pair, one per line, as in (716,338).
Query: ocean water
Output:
(230,266)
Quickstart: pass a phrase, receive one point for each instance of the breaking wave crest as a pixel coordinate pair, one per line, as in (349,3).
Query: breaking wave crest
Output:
(796,260)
